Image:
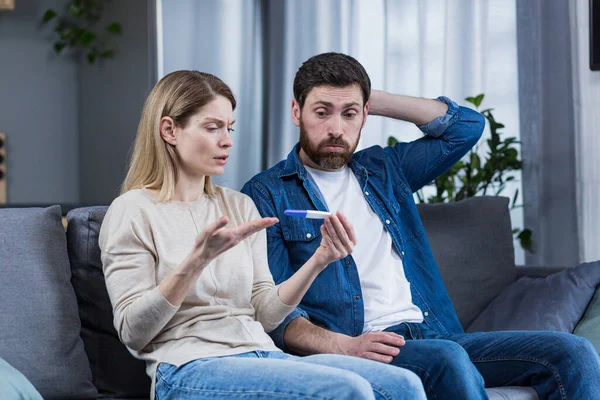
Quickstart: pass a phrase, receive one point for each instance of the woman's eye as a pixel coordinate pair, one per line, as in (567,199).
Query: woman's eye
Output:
(231,130)
(212,129)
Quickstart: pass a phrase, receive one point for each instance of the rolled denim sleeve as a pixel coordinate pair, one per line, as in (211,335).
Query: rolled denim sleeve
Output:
(277,333)
(438,126)
(447,139)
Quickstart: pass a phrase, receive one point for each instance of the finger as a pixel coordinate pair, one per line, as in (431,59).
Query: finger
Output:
(335,240)
(388,338)
(212,228)
(348,227)
(378,357)
(249,228)
(383,349)
(341,232)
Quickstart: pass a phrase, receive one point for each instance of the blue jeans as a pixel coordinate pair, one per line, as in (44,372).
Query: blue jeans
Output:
(276,375)
(557,365)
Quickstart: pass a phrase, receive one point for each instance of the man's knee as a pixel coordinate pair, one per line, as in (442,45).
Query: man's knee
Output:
(574,347)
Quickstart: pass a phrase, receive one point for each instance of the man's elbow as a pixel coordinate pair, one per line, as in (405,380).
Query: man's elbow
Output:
(476,127)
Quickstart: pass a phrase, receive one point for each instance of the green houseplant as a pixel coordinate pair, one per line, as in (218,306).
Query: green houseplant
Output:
(76,28)
(474,176)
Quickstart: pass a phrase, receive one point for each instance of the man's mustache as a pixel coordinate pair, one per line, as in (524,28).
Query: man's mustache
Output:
(334,142)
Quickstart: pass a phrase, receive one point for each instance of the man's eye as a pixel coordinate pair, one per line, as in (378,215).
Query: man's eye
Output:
(350,115)
(321,113)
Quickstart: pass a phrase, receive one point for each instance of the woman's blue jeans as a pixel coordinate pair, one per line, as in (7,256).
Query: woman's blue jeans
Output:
(276,375)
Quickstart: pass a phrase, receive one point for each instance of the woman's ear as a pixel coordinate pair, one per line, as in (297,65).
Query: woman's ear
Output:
(167,130)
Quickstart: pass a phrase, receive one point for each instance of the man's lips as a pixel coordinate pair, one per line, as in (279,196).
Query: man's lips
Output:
(334,147)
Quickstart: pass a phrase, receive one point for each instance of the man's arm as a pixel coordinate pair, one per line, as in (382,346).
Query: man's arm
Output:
(411,109)
(305,338)
(451,131)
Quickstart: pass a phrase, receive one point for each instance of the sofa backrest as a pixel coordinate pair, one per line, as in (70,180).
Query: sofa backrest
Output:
(115,372)
(473,246)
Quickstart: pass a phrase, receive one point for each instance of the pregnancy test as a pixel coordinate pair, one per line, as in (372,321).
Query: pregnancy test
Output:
(307,214)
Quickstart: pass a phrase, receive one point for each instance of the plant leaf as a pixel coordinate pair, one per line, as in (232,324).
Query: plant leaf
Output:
(91,57)
(49,15)
(74,10)
(115,28)
(106,53)
(392,141)
(58,46)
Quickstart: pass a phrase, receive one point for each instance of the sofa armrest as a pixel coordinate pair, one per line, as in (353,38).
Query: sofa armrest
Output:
(537,271)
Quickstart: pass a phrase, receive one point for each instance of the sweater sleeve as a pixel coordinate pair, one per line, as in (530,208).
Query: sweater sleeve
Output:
(270,310)
(129,261)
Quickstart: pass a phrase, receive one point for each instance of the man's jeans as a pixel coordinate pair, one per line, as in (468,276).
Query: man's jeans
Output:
(557,365)
(276,375)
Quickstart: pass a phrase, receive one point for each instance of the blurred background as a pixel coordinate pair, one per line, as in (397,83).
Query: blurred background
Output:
(70,121)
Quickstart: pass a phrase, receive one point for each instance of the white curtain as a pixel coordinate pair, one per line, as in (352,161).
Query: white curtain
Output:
(587,133)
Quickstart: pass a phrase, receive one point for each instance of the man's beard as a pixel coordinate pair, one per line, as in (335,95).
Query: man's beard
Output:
(327,159)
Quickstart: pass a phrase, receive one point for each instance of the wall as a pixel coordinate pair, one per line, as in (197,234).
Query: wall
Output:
(38,109)
(112,95)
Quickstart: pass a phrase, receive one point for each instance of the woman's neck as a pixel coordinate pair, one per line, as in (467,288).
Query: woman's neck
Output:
(189,189)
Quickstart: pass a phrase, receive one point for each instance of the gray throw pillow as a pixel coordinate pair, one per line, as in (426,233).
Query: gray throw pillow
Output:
(556,302)
(39,325)
(115,371)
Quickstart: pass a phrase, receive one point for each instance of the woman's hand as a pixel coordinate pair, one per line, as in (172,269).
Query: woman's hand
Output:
(216,239)
(338,239)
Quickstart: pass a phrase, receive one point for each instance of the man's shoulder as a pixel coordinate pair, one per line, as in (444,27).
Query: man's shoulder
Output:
(268,177)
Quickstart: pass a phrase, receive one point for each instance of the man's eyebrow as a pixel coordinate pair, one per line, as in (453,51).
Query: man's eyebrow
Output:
(330,105)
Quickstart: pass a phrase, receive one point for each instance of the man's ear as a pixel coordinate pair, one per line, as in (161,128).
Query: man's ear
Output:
(167,130)
(296,112)
(365,114)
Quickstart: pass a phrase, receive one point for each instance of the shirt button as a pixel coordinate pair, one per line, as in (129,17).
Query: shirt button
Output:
(308,235)
(366,193)
(347,262)
(357,297)
(402,252)
(387,221)
(426,314)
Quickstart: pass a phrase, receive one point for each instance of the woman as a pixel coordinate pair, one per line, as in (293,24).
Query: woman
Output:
(186,269)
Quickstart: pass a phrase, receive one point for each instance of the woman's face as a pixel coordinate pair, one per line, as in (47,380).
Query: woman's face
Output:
(203,144)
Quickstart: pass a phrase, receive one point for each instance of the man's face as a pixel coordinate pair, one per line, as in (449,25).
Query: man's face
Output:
(330,123)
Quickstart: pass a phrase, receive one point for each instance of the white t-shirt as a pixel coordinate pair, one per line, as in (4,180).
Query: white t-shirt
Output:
(386,291)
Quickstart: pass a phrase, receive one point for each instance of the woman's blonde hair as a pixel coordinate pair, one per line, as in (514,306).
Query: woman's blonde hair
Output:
(154,163)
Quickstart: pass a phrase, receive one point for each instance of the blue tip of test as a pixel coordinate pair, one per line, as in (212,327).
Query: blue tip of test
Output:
(295,213)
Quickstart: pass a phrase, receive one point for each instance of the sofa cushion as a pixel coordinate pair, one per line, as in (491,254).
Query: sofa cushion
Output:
(116,373)
(589,325)
(556,302)
(13,385)
(472,244)
(39,325)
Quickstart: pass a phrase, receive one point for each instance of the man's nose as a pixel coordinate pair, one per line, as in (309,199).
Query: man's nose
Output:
(335,126)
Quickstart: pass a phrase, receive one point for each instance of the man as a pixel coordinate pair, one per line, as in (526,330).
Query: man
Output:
(389,289)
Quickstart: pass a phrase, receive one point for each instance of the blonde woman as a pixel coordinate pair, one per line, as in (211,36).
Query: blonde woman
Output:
(186,268)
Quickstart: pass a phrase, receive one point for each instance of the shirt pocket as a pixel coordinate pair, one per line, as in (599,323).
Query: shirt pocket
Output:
(302,238)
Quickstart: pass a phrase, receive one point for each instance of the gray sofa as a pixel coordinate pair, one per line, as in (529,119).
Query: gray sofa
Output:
(56,320)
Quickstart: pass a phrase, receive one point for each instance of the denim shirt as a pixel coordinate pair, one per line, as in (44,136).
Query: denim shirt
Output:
(388,177)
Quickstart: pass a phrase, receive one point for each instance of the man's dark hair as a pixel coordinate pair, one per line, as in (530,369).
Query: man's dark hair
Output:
(334,69)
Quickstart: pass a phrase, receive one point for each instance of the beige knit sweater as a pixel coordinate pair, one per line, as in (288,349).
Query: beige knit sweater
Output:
(228,311)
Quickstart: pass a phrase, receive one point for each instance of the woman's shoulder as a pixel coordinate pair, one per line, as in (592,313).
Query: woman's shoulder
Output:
(237,200)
